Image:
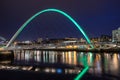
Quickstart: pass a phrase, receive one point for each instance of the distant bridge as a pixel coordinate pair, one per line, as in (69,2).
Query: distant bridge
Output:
(2,38)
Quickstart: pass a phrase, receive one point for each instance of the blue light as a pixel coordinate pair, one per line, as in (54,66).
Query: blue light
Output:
(59,71)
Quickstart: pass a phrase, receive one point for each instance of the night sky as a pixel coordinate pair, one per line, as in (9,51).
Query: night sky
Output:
(96,17)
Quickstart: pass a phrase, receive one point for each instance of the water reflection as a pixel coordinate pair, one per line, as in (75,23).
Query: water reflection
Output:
(114,64)
(46,57)
(100,63)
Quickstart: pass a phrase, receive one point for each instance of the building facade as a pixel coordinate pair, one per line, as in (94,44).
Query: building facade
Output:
(105,38)
(116,35)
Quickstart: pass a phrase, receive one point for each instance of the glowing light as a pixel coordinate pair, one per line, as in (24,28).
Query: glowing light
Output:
(84,61)
(90,59)
(59,71)
(49,10)
(82,73)
(2,48)
(75,58)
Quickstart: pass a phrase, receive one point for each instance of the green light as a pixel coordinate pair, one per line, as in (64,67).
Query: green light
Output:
(49,10)
(84,62)
(79,76)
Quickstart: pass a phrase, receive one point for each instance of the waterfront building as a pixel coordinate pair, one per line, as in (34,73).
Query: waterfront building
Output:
(116,35)
(105,38)
(39,40)
(95,39)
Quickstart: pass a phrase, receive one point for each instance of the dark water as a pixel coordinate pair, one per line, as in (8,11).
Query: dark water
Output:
(70,62)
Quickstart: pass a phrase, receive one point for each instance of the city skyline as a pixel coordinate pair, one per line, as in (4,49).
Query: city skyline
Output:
(95,17)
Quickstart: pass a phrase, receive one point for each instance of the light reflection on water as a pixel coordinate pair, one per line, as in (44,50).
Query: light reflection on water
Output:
(100,63)
(46,57)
